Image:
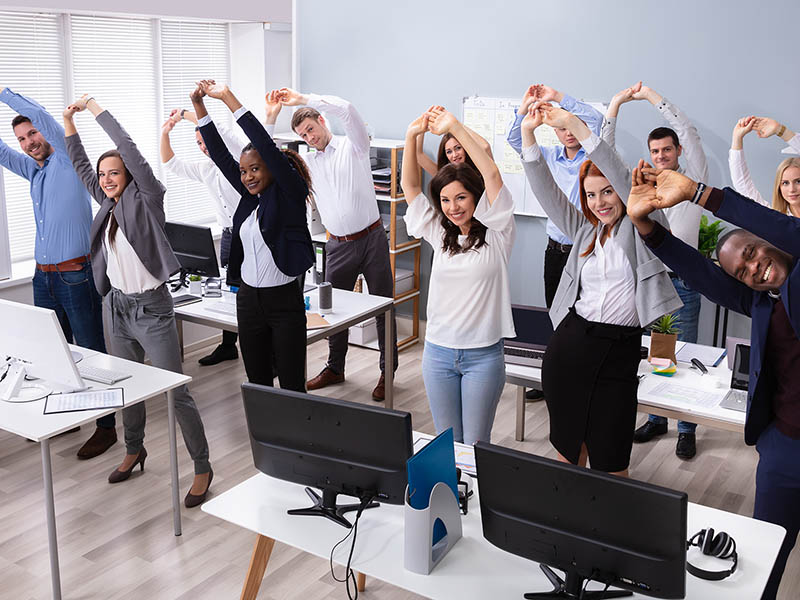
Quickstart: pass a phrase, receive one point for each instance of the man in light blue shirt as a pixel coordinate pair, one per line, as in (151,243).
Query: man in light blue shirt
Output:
(565,161)
(63,278)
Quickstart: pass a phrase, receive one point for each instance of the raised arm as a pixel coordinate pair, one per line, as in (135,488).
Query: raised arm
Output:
(481,141)
(354,127)
(40,118)
(695,156)
(283,173)
(217,151)
(423,159)
(409,174)
(740,173)
(780,230)
(766,127)
(164,147)
(551,198)
(698,272)
(77,154)
(441,122)
(134,161)
(608,132)
(514,137)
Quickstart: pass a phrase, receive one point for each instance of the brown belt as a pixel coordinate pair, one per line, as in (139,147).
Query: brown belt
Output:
(73,264)
(358,234)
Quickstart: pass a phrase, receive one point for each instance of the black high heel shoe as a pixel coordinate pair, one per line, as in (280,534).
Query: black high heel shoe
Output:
(118,476)
(191,500)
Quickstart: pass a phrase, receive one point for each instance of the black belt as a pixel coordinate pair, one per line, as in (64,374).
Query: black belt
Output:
(554,245)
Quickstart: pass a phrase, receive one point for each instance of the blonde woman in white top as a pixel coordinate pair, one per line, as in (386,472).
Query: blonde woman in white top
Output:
(469,222)
(786,190)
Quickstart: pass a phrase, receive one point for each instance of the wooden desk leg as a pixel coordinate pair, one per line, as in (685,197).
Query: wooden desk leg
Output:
(258,564)
(361,582)
(520,435)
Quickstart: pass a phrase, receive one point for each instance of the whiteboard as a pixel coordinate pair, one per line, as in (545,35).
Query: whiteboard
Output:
(492,119)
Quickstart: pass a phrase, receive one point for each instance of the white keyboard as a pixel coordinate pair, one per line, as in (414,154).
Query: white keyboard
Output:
(101,375)
(221,306)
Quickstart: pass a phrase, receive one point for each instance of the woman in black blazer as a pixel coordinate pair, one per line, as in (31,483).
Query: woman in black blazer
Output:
(271,245)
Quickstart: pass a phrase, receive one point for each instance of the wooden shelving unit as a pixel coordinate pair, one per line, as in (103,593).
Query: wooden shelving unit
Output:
(394,149)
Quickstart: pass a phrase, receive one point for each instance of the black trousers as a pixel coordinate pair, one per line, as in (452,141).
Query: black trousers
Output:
(228,337)
(554,262)
(272,326)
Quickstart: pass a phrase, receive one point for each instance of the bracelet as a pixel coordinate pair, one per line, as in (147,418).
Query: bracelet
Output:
(89,99)
(701,187)
(183,110)
(781,131)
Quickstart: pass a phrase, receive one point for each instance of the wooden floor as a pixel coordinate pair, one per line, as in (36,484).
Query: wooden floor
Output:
(116,542)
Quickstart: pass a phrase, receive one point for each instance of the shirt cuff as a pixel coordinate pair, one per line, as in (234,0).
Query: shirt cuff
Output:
(567,103)
(203,121)
(531,153)
(656,237)
(715,200)
(591,143)
(314,101)
(239,112)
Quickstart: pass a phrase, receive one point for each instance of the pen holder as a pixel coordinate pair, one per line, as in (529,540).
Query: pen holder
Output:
(421,555)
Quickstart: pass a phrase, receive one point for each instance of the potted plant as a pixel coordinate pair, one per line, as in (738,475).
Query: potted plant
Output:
(709,235)
(195,285)
(663,335)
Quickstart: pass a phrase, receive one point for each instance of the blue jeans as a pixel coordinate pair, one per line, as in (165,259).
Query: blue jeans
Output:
(778,494)
(688,316)
(463,388)
(74,299)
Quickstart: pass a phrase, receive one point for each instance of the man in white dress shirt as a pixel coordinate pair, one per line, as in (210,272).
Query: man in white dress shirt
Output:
(226,199)
(345,198)
(666,145)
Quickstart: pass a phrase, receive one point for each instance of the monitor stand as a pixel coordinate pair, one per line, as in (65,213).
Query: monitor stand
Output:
(571,588)
(16,390)
(325,506)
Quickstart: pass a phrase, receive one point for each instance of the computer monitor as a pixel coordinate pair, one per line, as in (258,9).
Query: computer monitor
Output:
(335,446)
(194,248)
(589,524)
(32,344)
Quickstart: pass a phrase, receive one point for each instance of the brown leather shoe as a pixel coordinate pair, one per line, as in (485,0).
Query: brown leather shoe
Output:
(325,377)
(379,393)
(102,439)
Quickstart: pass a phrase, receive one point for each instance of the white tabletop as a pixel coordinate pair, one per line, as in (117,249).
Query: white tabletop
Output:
(27,419)
(474,568)
(348,307)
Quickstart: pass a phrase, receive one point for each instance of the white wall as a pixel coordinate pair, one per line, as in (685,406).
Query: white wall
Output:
(230,10)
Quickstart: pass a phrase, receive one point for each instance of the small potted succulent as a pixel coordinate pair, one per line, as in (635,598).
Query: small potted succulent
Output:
(663,336)
(195,285)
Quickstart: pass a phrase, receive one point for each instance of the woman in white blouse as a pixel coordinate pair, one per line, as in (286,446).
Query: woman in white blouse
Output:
(469,222)
(786,191)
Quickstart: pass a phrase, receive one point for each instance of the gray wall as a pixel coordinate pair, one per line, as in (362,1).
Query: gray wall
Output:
(392,61)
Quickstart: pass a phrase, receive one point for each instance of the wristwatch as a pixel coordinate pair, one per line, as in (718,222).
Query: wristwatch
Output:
(183,110)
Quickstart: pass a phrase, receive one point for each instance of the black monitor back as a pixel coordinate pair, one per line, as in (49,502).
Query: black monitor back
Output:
(194,248)
(612,529)
(330,444)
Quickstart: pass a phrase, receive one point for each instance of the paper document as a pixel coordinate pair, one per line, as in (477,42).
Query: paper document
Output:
(708,355)
(89,400)
(688,395)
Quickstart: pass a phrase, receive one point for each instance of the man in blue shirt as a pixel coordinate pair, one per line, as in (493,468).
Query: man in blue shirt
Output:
(63,278)
(565,162)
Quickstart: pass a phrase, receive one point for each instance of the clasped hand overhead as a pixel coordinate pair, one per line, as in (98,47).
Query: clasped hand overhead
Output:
(653,189)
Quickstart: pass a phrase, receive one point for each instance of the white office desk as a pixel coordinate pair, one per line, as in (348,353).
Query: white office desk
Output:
(349,308)
(27,420)
(474,568)
(717,383)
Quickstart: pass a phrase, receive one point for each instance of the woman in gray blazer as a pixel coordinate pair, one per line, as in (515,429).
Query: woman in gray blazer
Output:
(131,261)
(612,287)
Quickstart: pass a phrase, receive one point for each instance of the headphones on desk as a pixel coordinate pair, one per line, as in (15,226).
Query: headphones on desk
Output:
(720,545)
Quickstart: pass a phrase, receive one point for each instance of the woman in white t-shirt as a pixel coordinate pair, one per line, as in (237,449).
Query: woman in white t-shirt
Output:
(469,222)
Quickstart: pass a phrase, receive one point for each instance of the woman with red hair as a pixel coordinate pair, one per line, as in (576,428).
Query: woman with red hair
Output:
(612,287)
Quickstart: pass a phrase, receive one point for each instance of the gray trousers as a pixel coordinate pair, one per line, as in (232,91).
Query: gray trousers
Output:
(344,261)
(144,324)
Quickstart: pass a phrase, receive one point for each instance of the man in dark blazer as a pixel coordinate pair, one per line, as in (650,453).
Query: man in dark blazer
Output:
(759,277)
